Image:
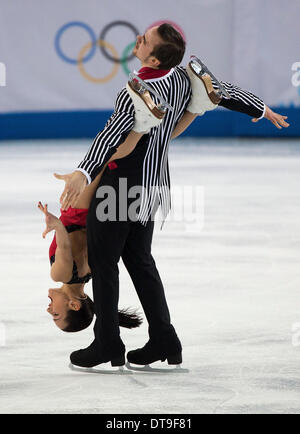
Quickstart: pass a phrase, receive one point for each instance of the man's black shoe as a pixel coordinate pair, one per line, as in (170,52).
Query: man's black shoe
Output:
(151,353)
(91,356)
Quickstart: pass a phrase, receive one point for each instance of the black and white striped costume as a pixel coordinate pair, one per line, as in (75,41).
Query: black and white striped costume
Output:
(175,88)
(111,239)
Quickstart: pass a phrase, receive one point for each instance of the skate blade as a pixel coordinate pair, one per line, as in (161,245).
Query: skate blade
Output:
(142,100)
(143,86)
(147,368)
(214,97)
(201,69)
(119,371)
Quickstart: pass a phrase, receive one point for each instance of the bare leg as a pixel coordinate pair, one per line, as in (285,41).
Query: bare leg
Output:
(123,150)
(184,122)
(128,146)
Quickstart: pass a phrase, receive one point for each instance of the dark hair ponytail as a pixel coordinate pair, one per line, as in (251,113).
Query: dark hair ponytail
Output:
(129,319)
(82,318)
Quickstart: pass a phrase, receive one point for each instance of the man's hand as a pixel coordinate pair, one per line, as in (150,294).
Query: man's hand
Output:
(276,119)
(75,184)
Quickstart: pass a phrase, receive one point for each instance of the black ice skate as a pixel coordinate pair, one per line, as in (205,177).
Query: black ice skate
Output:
(150,353)
(147,113)
(85,360)
(204,96)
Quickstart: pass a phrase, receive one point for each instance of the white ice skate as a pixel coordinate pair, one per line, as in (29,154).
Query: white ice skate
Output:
(147,368)
(204,96)
(118,371)
(147,113)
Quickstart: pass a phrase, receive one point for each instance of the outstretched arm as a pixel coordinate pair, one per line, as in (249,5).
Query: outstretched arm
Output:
(246,102)
(241,101)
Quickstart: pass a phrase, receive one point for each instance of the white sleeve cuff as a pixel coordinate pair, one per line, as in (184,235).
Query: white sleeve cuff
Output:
(264,112)
(89,179)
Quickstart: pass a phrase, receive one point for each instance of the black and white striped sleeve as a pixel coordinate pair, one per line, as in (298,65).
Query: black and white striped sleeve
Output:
(107,141)
(242,101)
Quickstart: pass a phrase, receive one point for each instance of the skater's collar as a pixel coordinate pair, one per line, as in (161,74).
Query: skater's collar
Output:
(147,73)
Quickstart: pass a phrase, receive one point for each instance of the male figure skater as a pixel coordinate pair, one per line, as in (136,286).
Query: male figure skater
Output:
(160,51)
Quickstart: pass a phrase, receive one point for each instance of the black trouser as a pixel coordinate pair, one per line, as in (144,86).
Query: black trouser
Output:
(107,242)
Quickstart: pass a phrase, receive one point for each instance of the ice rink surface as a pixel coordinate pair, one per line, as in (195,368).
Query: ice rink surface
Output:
(232,287)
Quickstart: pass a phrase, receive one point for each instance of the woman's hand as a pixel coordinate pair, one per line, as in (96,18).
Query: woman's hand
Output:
(52,222)
(276,119)
(75,184)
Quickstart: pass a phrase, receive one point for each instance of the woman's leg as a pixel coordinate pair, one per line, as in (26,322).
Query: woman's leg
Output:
(123,150)
(86,196)
(127,146)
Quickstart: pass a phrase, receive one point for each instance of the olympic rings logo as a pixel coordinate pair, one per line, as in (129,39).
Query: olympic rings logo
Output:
(87,52)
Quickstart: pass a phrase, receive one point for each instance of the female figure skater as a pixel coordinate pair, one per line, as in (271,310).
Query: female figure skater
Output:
(72,310)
